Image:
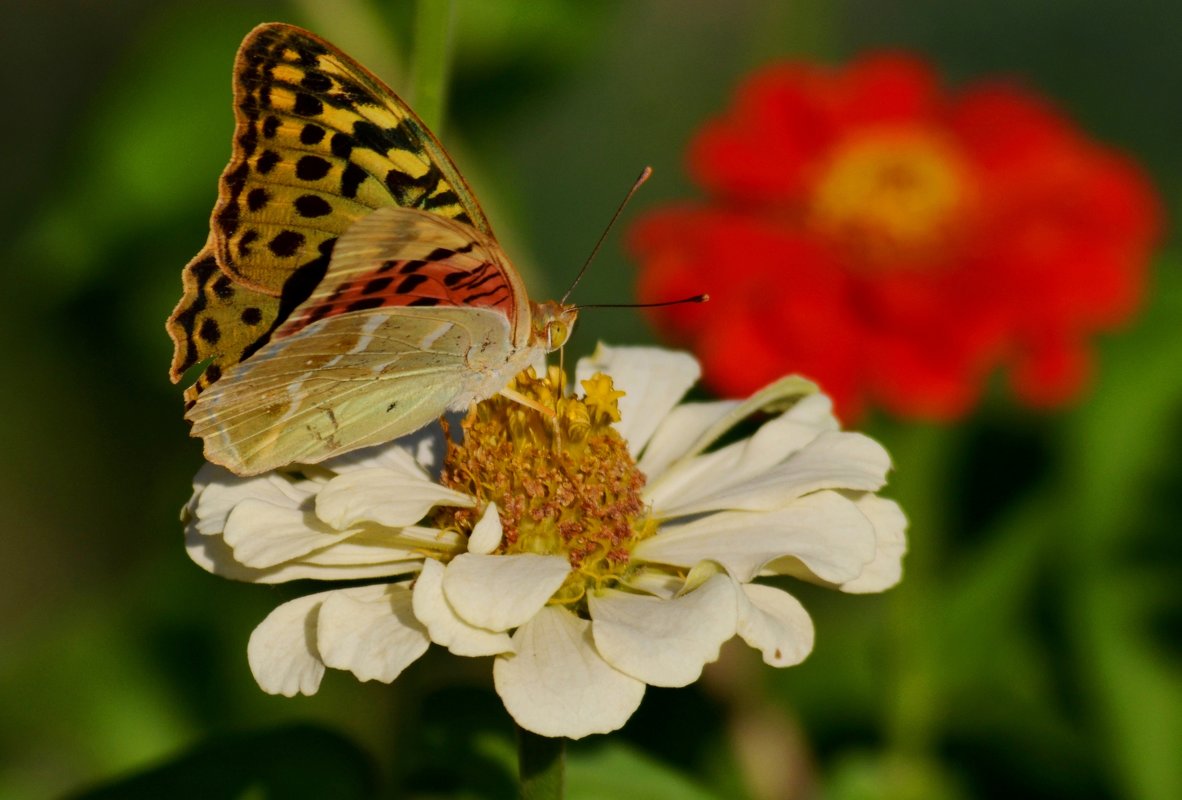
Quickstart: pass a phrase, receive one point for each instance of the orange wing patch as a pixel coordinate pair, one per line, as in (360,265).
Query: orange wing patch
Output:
(442,278)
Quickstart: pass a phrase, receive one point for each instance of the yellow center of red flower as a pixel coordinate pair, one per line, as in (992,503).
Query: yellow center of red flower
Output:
(893,199)
(564,484)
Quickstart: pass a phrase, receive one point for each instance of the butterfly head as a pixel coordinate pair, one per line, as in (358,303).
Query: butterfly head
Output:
(552,323)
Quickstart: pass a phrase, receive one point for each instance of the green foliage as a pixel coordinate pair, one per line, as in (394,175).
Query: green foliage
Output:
(296,762)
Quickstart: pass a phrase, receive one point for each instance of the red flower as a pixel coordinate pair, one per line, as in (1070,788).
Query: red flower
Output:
(898,243)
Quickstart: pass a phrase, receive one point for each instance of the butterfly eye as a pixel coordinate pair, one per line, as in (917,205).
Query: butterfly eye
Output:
(557,333)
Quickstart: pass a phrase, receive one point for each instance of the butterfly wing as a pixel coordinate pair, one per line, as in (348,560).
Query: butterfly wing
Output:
(319,142)
(417,314)
(217,320)
(405,257)
(346,382)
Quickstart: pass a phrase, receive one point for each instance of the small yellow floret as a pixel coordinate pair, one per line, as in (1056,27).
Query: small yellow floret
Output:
(563,484)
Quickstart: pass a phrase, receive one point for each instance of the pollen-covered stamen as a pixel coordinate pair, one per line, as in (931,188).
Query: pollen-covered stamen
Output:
(564,485)
(896,198)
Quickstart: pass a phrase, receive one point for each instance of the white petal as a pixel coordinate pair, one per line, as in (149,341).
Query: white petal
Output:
(414,454)
(833,460)
(374,544)
(824,530)
(558,685)
(747,460)
(307,570)
(370,631)
(773,398)
(282,649)
(677,433)
(653,379)
(775,623)
(220,491)
(264,535)
(214,555)
(486,534)
(501,592)
(445,627)
(889,532)
(385,496)
(656,582)
(664,642)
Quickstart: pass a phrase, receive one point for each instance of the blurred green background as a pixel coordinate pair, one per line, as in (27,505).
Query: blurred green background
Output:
(1034,648)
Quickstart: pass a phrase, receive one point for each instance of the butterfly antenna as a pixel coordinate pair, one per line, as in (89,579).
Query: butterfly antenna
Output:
(697,298)
(644,176)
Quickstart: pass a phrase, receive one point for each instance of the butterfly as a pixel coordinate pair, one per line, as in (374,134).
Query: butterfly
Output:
(351,289)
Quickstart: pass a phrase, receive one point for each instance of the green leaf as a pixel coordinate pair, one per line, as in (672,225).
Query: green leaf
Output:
(614,770)
(1123,441)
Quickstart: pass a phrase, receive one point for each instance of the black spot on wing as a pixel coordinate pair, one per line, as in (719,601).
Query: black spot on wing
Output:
(312,205)
(410,283)
(365,303)
(236,180)
(452,278)
(257,198)
(441,200)
(474,297)
(312,168)
(307,106)
(316,81)
(300,285)
(376,138)
(377,285)
(248,140)
(476,284)
(229,217)
(210,331)
(202,271)
(267,161)
(412,191)
(296,289)
(351,180)
(286,243)
(311,134)
(245,241)
(223,287)
(341,145)
(403,136)
(319,312)
(251,316)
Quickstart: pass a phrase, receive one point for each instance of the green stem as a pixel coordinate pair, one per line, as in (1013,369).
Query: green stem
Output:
(429,71)
(542,764)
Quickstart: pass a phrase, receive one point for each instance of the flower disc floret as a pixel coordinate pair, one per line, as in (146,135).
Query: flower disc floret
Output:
(560,475)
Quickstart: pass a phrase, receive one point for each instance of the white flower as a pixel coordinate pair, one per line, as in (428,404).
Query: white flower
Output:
(591,553)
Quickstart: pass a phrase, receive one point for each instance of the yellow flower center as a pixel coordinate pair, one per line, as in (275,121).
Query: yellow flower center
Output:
(893,198)
(563,480)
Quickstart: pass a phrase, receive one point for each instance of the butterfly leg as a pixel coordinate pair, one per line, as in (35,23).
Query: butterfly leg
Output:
(549,413)
(529,402)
